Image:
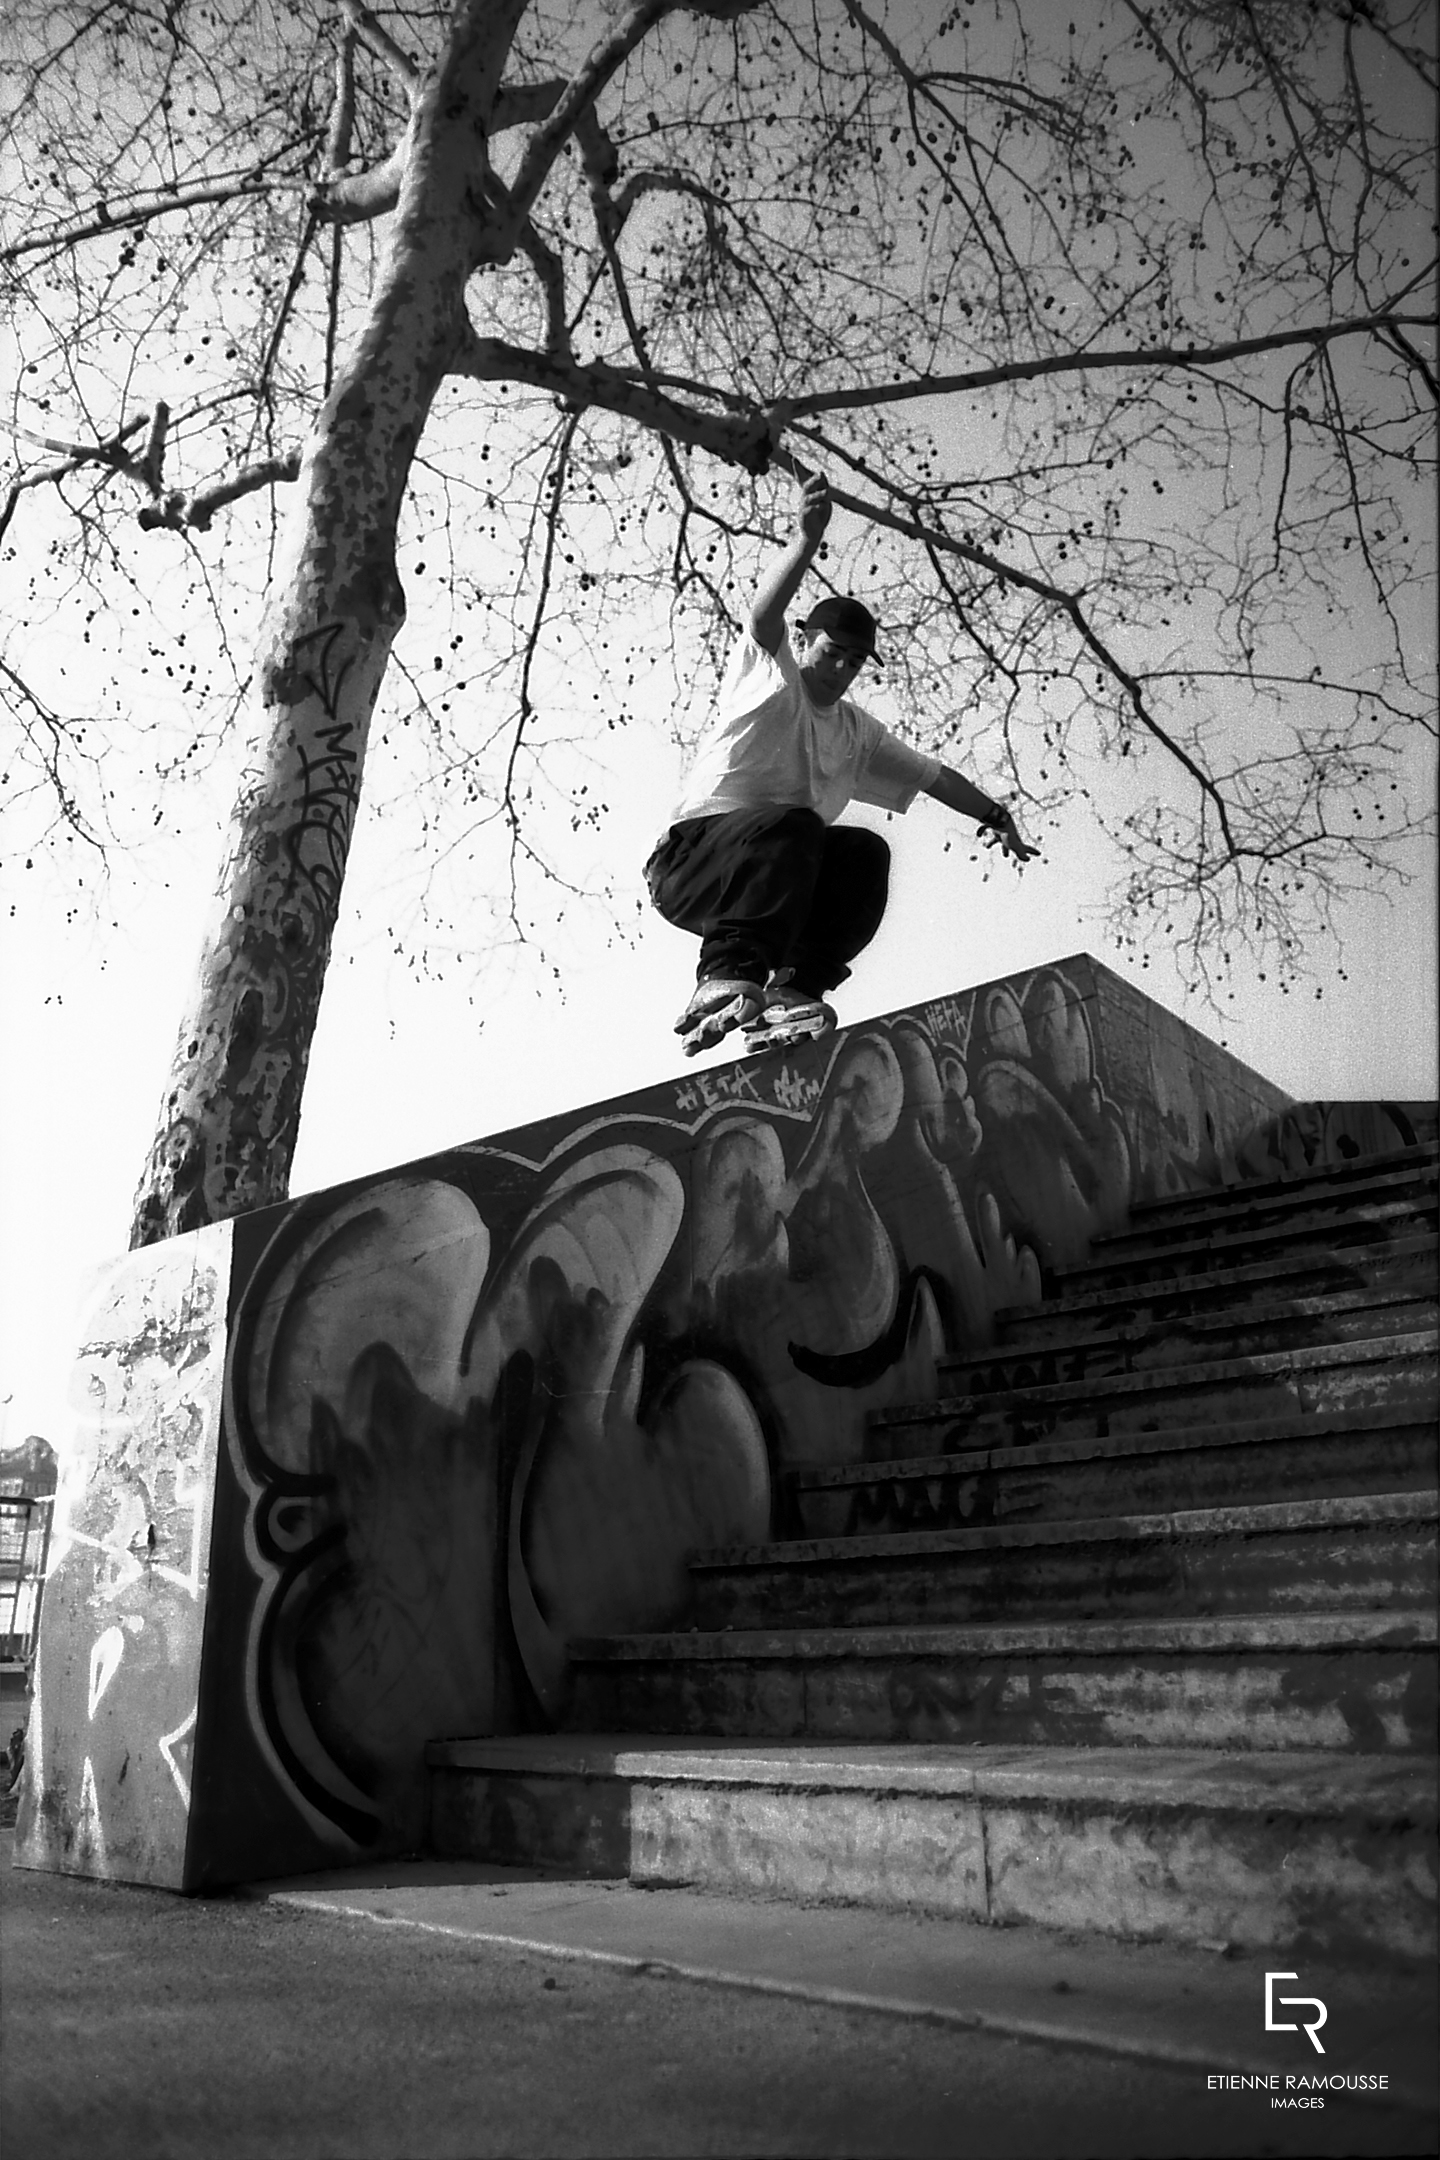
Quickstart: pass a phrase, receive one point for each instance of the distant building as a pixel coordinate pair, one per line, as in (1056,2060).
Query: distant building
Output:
(27,1493)
(28,1472)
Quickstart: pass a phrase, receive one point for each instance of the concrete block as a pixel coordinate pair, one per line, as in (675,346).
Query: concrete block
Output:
(911,1852)
(1331,1852)
(1366,1553)
(1359,1681)
(1403,1265)
(1399,1373)
(1242,1211)
(488,1402)
(1328,1235)
(759,1696)
(580,1824)
(109,1768)
(1197,1876)
(1348,1452)
(1163,1338)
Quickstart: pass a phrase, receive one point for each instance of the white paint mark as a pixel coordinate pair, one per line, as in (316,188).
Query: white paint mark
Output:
(192,1490)
(104,1663)
(35,1735)
(128,1569)
(172,1739)
(92,1830)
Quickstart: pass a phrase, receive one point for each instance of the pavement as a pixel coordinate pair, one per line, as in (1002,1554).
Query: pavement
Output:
(426,2010)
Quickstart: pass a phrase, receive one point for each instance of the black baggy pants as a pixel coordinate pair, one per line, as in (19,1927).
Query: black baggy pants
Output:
(770,889)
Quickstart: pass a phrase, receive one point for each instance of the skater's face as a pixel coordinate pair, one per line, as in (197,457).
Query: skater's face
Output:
(829,663)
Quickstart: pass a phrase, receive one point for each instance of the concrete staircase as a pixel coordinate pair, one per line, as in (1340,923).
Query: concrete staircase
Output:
(1132,1630)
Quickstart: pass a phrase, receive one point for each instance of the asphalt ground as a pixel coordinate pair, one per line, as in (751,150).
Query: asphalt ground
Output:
(134,2022)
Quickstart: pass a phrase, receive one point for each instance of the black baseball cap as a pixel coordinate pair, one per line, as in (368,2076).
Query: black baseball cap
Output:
(848,619)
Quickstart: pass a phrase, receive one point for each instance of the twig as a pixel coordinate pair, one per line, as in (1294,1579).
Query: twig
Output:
(555,480)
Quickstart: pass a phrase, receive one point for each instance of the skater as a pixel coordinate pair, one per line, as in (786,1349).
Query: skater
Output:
(780,896)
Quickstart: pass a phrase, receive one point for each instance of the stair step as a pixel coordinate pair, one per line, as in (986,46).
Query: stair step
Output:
(1283,1324)
(1264,1206)
(1359,1451)
(1331,1851)
(1341,1178)
(1368,1227)
(1069,1647)
(1388,1371)
(1344,1681)
(1368,1554)
(1407,1263)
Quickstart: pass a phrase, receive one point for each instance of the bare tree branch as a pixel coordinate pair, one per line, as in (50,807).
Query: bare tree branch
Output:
(1016,288)
(179,512)
(342,111)
(551,276)
(601,64)
(1091,362)
(153,204)
(358,198)
(518,104)
(746,443)
(73,456)
(373,33)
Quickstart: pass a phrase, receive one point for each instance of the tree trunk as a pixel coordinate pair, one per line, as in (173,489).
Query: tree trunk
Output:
(231,1109)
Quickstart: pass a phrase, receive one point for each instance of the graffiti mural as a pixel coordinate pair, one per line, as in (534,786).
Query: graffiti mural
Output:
(1309,1135)
(481,1406)
(109,1750)
(492,1404)
(433,1424)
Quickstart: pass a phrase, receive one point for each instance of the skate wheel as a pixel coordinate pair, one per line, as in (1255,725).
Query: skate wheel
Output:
(709,1028)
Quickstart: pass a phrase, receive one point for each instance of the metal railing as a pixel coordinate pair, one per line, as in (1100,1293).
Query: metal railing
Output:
(24,1549)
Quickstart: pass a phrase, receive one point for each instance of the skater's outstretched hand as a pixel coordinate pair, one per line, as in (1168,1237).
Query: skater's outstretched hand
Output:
(785,577)
(994,820)
(1003,829)
(813,507)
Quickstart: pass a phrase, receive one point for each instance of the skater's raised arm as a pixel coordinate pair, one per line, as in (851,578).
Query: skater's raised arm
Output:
(994,820)
(781,583)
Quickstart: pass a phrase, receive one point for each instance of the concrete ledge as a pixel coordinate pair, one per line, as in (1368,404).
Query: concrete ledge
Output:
(1417,1347)
(1340,1269)
(1089,1447)
(1095,1447)
(1147,1337)
(1361,1233)
(1321,1186)
(1313,1786)
(1187,1848)
(1350,1511)
(1354,1170)
(1339,1682)
(1095,1638)
(1316,1304)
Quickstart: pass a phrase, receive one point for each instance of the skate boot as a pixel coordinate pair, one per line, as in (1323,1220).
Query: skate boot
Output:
(721,1002)
(786,1016)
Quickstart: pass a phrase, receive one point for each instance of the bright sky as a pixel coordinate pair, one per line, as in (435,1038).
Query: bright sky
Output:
(402,1066)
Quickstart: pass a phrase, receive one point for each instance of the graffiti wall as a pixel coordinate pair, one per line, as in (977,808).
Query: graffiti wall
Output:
(488,1402)
(1316,1135)
(111,1736)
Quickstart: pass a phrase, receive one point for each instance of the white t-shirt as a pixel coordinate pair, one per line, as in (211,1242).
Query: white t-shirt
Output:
(770,743)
